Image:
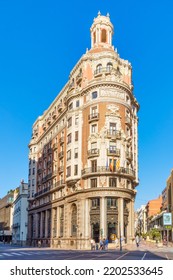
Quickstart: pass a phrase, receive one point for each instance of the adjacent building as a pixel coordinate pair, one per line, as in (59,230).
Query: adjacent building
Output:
(20,215)
(6,204)
(141,220)
(83,159)
(153,208)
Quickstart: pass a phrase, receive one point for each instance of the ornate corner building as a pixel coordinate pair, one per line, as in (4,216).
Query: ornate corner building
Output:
(83,159)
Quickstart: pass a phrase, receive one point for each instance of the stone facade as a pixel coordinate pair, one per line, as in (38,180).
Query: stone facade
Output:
(83,160)
(20,215)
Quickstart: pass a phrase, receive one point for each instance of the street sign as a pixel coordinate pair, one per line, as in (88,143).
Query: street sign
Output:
(167,219)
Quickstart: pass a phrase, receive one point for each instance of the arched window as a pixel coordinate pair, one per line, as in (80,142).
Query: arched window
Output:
(103,36)
(94,37)
(74,220)
(109,67)
(99,68)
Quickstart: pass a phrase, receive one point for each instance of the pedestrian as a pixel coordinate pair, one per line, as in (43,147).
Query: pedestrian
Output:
(116,242)
(39,244)
(101,244)
(137,240)
(92,244)
(106,244)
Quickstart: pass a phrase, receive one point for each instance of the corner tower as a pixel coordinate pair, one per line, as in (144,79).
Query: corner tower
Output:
(101,32)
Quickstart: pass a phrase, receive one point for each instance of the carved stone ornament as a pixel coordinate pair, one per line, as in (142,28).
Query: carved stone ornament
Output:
(111,219)
(114,110)
(94,218)
(102,180)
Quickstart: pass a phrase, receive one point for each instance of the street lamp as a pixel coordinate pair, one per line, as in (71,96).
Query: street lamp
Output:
(22,240)
(120,237)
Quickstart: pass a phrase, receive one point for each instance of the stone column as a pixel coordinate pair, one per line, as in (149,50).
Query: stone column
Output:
(121,216)
(46,223)
(58,222)
(103,229)
(86,218)
(36,225)
(41,224)
(132,218)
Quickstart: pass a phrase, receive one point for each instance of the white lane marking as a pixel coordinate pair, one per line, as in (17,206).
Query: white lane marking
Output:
(143,256)
(122,255)
(5,254)
(16,254)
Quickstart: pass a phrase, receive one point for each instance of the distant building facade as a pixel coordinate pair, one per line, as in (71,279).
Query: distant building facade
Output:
(83,159)
(6,204)
(141,220)
(20,215)
(153,207)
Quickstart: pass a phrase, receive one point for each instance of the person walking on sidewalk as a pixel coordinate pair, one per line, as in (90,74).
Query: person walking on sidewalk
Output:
(137,240)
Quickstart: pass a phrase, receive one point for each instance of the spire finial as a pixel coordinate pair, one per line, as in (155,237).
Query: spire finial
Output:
(108,15)
(99,14)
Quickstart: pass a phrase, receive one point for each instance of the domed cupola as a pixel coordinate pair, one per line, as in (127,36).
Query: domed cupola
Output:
(101,32)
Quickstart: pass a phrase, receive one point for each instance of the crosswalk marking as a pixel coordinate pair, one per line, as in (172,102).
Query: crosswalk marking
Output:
(16,254)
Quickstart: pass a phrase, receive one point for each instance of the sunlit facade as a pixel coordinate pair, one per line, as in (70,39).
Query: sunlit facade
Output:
(83,160)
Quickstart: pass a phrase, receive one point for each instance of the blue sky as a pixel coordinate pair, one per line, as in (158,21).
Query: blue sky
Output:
(41,41)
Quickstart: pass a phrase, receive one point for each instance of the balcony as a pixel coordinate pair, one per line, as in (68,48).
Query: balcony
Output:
(61,169)
(39,171)
(49,150)
(47,177)
(59,108)
(54,114)
(129,155)
(96,171)
(93,117)
(61,154)
(79,78)
(54,173)
(104,70)
(114,134)
(128,121)
(55,146)
(71,87)
(44,126)
(61,140)
(49,120)
(113,152)
(93,153)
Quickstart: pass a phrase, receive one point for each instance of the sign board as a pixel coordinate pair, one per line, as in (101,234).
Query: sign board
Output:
(167,227)
(167,219)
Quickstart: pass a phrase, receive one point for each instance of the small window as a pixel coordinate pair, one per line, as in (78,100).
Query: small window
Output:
(109,66)
(69,138)
(94,183)
(94,95)
(75,169)
(69,155)
(76,135)
(98,68)
(77,103)
(68,171)
(76,120)
(70,107)
(93,128)
(69,122)
(95,202)
(76,153)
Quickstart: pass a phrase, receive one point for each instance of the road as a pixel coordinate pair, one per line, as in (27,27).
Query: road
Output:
(144,252)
